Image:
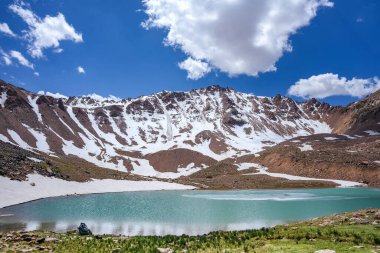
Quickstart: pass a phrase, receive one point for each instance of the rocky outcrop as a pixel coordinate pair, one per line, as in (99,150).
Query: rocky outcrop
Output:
(327,156)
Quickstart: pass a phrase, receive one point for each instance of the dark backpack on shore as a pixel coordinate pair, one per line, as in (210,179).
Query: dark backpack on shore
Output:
(84,230)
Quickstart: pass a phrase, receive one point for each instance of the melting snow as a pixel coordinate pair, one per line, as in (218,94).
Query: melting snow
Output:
(244,166)
(4,138)
(18,139)
(264,170)
(371,132)
(33,103)
(41,143)
(34,159)
(14,192)
(331,138)
(3,98)
(349,136)
(306,147)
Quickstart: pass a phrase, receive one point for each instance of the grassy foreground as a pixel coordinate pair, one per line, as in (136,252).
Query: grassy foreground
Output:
(348,232)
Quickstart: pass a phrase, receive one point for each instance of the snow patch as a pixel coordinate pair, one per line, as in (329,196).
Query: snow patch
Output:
(349,136)
(264,171)
(41,143)
(3,98)
(372,132)
(14,192)
(33,103)
(331,138)
(18,139)
(306,147)
(244,166)
(4,138)
(34,159)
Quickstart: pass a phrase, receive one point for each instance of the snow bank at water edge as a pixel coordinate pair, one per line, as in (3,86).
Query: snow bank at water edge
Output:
(15,192)
(341,183)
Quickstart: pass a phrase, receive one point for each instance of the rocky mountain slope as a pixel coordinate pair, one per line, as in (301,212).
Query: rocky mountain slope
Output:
(169,134)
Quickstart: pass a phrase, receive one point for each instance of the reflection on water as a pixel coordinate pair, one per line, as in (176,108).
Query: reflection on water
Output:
(137,228)
(268,196)
(183,212)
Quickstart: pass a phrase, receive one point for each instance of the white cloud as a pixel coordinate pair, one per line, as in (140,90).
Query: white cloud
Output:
(81,70)
(21,59)
(326,85)
(44,33)
(58,50)
(234,36)
(101,98)
(4,28)
(359,20)
(54,95)
(195,68)
(6,57)
(36,73)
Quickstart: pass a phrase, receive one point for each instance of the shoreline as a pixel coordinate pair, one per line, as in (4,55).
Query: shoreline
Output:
(194,189)
(355,231)
(19,192)
(139,186)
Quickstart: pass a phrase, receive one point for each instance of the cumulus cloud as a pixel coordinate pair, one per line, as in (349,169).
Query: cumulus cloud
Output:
(4,28)
(36,73)
(81,70)
(195,68)
(326,85)
(234,36)
(44,32)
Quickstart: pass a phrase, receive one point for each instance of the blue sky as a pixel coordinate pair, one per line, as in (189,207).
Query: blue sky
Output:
(122,58)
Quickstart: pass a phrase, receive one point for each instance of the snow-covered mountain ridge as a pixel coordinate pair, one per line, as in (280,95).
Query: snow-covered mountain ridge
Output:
(167,134)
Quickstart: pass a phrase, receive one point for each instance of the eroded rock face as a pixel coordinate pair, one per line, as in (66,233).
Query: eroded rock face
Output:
(214,121)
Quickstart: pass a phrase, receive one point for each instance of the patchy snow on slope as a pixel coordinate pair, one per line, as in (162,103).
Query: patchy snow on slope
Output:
(372,132)
(14,192)
(4,138)
(18,139)
(349,136)
(3,98)
(41,143)
(33,103)
(34,159)
(306,147)
(329,138)
(245,166)
(264,171)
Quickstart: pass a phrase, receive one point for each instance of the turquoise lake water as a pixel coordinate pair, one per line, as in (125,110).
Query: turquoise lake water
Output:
(184,212)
